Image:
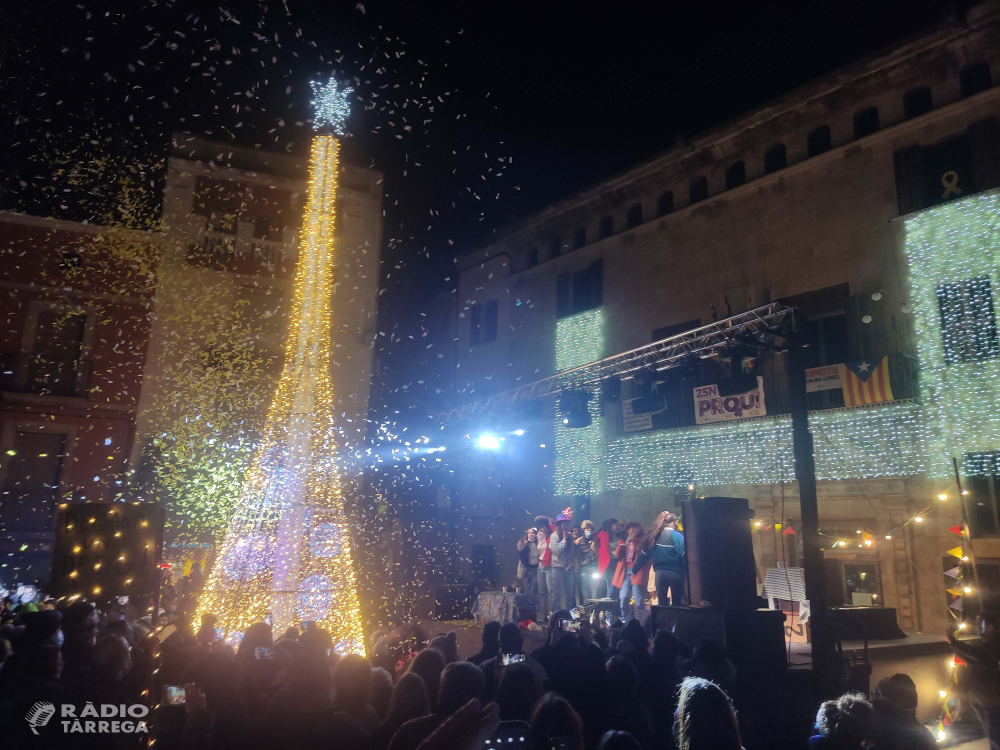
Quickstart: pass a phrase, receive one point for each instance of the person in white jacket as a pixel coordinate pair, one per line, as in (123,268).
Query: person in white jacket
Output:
(563,557)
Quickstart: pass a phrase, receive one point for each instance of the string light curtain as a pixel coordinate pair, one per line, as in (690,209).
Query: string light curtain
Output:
(287,553)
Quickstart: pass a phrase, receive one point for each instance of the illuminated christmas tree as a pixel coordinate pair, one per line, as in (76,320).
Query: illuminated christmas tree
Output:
(287,553)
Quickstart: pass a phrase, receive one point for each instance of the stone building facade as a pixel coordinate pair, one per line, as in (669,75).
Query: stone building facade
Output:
(799,201)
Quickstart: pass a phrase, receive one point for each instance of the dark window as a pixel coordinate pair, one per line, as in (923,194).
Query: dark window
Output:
(982,471)
(774,158)
(484,323)
(579,238)
(564,295)
(667,331)
(579,291)
(866,122)
(699,189)
(818,141)
(55,362)
(532,257)
(828,340)
(606,227)
(736,175)
(634,217)
(929,175)
(917,102)
(555,248)
(665,204)
(975,77)
(968,322)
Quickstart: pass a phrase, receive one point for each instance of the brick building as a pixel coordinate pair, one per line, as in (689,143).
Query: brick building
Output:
(798,201)
(74,329)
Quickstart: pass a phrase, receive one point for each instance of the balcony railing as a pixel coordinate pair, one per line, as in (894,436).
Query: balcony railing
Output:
(679,412)
(43,375)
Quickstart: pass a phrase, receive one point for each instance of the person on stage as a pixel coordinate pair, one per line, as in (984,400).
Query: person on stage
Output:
(587,550)
(563,557)
(664,545)
(527,570)
(544,526)
(630,577)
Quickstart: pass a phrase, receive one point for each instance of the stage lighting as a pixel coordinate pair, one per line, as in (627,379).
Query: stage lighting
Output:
(488,442)
(596,576)
(519,432)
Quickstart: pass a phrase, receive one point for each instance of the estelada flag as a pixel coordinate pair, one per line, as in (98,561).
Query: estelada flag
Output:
(865,382)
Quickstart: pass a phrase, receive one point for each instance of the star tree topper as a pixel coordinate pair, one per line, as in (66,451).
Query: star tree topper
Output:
(330,103)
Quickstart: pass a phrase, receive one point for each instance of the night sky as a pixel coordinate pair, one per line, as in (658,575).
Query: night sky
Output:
(531,101)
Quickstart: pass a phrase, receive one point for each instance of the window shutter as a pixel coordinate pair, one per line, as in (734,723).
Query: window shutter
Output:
(492,313)
(564,302)
(984,137)
(909,179)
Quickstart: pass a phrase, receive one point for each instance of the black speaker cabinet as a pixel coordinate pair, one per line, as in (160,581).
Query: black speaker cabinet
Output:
(720,553)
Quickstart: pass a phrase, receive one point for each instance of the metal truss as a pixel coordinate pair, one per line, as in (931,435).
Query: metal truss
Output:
(660,355)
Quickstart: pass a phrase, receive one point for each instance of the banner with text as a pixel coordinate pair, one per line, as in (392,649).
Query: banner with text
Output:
(826,378)
(710,407)
(632,422)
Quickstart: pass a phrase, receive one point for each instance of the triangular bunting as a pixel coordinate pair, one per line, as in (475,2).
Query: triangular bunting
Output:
(956,605)
(954,592)
(777,527)
(956,529)
(788,531)
(960,662)
(954,572)
(955,552)
(768,527)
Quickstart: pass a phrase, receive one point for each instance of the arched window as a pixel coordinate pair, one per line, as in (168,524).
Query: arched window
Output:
(634,217)
(917,102)
(699,189)
(775,158)
(606,227)
(818,141)
(665,204)
(579,238)
(533,257)
(555,248)
(975,77)
(736,175)
(866,122)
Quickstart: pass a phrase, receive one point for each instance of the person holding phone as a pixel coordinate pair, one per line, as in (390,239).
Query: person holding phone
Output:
(511,647)
(527,568)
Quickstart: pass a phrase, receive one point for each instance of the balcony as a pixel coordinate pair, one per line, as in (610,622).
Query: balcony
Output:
(679,412)
(42,375)
(222,251)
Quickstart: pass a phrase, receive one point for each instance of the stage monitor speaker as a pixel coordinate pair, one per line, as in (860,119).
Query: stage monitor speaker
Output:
(720,553)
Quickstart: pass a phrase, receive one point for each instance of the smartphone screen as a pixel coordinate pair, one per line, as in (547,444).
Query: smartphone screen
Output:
(173,695)
(506,659)
(510,734)
(264,653)
(570,626)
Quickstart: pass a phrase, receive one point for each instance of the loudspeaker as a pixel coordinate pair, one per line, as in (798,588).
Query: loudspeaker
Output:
(720,553)
(611,389)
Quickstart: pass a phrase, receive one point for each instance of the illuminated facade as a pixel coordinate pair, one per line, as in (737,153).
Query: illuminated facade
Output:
(868,204)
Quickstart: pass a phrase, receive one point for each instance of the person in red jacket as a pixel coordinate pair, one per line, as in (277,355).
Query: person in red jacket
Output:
(632,582)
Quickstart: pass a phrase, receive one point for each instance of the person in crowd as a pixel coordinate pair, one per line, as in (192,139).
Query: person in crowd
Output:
(511,644)
(409,701)
(219,680)
(664,545)
(633,646)
(352,684)
(666,678)
(554,723)
(429,664)
(606,542)
(587,547)
(843,724)
(206,632)
(469,728)
(983,657)
(627,711)
(562,559)
(630,578)
(381,692)
(260,665)
(31,675)
(527,569)
(709,661)
(79,626)
(618,740)
(518,692)
(460,682)
(546,604)
(705,718)
(291,634)
(447,644)
(896,726)
(491,643)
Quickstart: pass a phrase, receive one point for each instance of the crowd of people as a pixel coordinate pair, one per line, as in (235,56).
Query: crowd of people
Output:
(565,565)
(584,688)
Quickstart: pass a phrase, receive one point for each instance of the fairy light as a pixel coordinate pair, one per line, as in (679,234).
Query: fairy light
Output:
(287,552)
(579,450)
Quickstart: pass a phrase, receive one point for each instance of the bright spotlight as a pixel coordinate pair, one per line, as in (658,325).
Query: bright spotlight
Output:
(941,736)
(488,442)
(519,432)
(595,576)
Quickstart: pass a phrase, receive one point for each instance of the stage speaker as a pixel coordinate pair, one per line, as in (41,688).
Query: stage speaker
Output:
(720,553)
(611,389)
